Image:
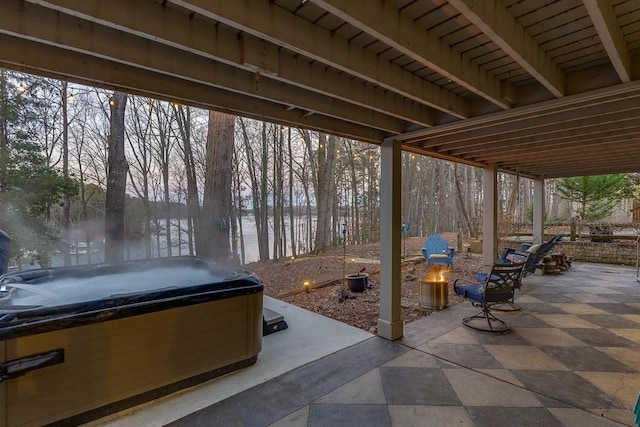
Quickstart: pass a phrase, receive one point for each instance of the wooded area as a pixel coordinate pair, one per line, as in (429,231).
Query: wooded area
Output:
(80,164)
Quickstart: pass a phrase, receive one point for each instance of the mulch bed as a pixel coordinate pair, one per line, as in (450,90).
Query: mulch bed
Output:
(329,294)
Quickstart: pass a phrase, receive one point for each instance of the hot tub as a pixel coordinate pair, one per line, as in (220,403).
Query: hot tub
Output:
(78,343)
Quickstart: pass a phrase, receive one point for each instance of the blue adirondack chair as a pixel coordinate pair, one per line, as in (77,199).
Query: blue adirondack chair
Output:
(436,250)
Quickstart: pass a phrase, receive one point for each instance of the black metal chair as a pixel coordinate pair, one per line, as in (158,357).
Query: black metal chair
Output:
(527,260)
(536,253)
(497,288)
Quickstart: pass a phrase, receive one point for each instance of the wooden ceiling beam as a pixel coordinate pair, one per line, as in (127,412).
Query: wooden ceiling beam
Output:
(287,30)
(54,62)
(96,40)
(197,35)
(494,20)
(606,24)
(382,21)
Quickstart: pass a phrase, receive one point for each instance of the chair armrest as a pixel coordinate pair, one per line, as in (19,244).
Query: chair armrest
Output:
(505,252)
(465,281)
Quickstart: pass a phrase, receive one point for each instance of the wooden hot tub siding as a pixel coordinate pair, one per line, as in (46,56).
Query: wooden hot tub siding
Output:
(109,365)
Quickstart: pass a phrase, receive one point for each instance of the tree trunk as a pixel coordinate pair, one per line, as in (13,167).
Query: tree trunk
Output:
(291,209)
(461,199)
(325,190)
(183,115)
(237,238)
(260,212)
(263,237)
(66,209)
(355,200)
(116,182)
(277,193)
(4,144)
(212,239)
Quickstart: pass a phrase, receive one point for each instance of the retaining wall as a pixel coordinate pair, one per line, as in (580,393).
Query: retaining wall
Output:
(602,252)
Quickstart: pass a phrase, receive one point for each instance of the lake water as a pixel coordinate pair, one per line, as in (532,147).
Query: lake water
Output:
(136,249)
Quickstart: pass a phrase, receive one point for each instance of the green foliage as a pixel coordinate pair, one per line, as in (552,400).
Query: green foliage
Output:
(36,185)
(30,186)
(550,221)
(596,196)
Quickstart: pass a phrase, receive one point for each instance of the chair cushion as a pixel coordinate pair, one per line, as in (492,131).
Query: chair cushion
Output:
(472,292)
(533,248)
(438,256)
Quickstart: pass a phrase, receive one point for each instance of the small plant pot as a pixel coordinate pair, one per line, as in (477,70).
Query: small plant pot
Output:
(357,282)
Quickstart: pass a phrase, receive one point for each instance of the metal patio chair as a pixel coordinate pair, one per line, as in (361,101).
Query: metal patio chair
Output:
(497,288)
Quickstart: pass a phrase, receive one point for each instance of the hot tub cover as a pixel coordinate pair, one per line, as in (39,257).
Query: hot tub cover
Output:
(47,299)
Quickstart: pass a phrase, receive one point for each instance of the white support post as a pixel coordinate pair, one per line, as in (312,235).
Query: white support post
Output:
(538,211)
(390,321)
(489,215)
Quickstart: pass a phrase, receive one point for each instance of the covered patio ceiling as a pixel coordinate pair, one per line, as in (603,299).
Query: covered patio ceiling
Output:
(539,88)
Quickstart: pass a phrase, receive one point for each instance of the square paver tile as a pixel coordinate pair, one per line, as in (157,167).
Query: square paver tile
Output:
(527,319)
(502,375)
(633,317)
(528,299)
(366,389)
(621,387)
(417,386)
(540,309)
(467,355)
(567,387)
(491,417)
(600,337)
(477,389)
(415,359)
(578,417)
(336,415)
(565,321)
(460,335)
(524,357)
(602,290)
(616,308)
(590,298)
(609,320)
(629,356)
(548,337)
(578,308)
(296,419)
(628,333)
(586,359)
(428,416)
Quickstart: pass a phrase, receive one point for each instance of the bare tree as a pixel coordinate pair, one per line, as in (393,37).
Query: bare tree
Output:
(257,169)
(325,190)
(139,135)
(212,239)
(292,232)
(163,149)
(183,118)
(116,182)
(462,205)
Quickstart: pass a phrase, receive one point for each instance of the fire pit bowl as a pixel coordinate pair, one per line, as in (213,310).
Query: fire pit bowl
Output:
(434,288)
(357,282)
(434,295)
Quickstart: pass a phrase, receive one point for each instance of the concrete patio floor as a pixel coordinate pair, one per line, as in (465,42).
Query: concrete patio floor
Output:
(571,359)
